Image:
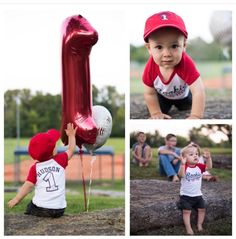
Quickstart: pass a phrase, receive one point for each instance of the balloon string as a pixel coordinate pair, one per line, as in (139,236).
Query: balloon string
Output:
(90,180)
(83,180)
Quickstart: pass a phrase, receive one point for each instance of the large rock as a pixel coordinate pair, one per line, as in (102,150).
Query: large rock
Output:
(215,109)
(106,222)
(153,203)
(222,161)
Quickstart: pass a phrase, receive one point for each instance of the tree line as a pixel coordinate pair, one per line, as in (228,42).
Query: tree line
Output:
(199,135)
(42,111)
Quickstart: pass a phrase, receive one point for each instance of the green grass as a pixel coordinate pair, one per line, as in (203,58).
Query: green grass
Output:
(75,203)
(118,145)
(152,171)
(75,198)
(212,70)
(9,147)
(208,70)
(99,184)
(220,151)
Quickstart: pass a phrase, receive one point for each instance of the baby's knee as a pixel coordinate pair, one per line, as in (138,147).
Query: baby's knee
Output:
(201,210)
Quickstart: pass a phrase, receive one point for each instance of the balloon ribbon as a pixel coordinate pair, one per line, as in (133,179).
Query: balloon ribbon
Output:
(83,180)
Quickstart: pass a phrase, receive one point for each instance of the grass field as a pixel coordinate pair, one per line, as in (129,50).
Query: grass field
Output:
(75,199)
(118,145)
(208,70)
(74,196)
(152,171)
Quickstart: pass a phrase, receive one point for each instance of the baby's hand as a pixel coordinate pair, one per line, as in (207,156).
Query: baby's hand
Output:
(70,131)
(160,115)
(193,117)
(206,153)
(183,160)
(12,203)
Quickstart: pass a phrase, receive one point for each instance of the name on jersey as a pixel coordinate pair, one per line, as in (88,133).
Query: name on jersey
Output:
(175,92)
(192,176)
(48,169)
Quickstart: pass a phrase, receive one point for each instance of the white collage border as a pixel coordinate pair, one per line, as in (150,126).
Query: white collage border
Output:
(217,4)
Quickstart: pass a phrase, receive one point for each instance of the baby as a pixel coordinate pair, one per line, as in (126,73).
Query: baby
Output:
(191,180)
(170,76)
(47,174)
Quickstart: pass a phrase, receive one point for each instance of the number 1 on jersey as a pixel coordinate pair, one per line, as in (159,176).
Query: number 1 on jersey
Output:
(51,181)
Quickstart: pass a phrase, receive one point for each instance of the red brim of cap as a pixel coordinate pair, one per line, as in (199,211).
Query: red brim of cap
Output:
(162,26)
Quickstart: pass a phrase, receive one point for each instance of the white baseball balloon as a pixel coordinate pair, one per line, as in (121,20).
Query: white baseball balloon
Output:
(221,27)
(103,121)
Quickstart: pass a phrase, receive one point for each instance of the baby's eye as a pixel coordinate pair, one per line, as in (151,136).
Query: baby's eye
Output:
(174,46)
(159,47)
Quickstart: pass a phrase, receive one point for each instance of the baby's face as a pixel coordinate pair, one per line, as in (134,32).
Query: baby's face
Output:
(192,155)
(166,46)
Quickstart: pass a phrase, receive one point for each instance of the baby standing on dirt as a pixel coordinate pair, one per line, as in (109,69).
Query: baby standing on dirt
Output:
(170,76)
(191,181)
(47,175)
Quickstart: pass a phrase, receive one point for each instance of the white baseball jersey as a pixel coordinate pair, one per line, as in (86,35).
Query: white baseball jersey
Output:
(49,180)
(177,86)
(191,183)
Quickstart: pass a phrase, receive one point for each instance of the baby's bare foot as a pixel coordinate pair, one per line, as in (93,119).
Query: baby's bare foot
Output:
(190,232)
(199,227)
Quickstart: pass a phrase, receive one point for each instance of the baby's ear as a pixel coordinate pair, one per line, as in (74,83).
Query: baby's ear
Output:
(185,44)
(147,45)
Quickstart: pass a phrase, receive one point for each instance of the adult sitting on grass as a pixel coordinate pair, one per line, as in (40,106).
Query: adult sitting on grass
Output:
(169,158)
(141,151)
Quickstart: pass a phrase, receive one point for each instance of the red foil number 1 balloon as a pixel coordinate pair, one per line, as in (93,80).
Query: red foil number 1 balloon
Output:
(78,38)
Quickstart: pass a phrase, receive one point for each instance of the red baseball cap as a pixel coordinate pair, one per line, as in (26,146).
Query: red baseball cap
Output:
(41,146)
(164,19)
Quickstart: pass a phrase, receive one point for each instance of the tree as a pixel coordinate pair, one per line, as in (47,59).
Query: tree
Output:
(201,134)
(40,112)
(226,129)
(115,103)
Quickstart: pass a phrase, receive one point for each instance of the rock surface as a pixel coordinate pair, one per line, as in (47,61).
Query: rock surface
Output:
(106,222)
(215,109)
(222,161)
(153,204)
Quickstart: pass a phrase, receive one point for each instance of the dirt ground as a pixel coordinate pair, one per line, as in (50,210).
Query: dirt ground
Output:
(215,109)
(218,227)
(106,222)
(154,202)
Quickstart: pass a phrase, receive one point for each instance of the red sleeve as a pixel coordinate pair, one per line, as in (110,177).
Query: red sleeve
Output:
(202,167)
(188,70)
(32,177)
(61,159)
(148,78)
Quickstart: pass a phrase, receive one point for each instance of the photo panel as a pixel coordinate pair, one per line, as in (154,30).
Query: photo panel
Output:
(62,64)
(180,178)
(195,84)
